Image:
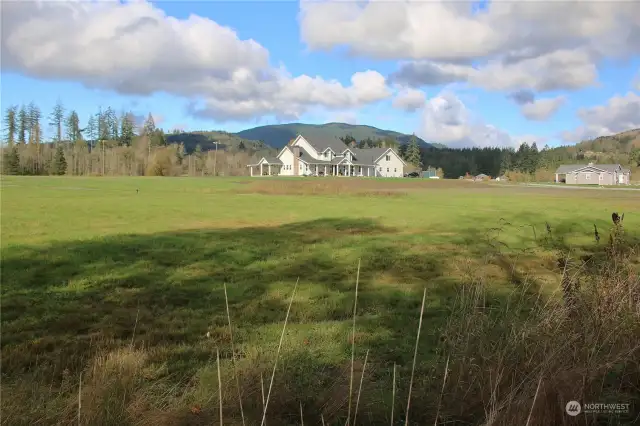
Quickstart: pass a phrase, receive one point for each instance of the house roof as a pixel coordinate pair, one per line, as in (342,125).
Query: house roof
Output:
(575,167)
(321,144)
(267,160)
(368,155)
(272,160)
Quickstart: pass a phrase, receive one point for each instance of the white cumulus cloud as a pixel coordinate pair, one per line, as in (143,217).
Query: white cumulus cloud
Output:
(409,100)
(135,48)
(619,114)
(503,46)
(447,120)
(542,109)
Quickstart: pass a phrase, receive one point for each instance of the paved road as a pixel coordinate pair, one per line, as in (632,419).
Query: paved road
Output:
(605,188)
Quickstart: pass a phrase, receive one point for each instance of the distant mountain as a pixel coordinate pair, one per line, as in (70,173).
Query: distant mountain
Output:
(619,148)
(621,142)
(279,135)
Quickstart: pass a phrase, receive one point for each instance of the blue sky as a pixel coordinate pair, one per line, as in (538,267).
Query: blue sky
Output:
(459,74)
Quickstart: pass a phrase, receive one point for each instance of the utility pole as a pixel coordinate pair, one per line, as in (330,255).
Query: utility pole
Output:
(103,157)
(215,159)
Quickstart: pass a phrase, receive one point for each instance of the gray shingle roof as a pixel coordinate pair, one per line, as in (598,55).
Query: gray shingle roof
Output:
(367,156)
(320,144)
(573,167)
(270,160)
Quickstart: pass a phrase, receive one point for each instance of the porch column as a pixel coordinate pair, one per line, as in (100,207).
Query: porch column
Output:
(368,171)
(251,170)
(260,169)
(269,167)
(325,169)
(557,178)
(348,170)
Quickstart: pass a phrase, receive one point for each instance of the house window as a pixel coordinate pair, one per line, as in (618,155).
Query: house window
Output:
(587,176)
(388,158)
(387,170)
(326,154)
(395,170)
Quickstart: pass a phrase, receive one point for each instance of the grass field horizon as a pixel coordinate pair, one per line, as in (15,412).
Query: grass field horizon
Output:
(124,278)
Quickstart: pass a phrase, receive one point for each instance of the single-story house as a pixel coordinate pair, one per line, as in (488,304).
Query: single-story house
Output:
(481,176)
(595,174)
(330,157)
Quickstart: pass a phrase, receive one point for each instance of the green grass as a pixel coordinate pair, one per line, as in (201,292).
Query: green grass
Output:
(82,258)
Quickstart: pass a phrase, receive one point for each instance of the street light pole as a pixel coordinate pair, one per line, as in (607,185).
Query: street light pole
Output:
(215,159)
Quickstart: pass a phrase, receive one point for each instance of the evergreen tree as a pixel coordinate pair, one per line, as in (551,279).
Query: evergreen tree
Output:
(402,151)
(348,140)
(111,124)
(241,146)
(10,124)
(158,138)
(23,125)
(12,161)
(126,129)
(534,158)
(104,127)
(59,162)
(35,131)
(149,126)
(92,129)
(72,125)
(635,156)
(522,158)
(506,163)
(57,120)
(413,153)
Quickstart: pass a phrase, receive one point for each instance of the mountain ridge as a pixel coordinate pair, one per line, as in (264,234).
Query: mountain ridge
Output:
(278,135)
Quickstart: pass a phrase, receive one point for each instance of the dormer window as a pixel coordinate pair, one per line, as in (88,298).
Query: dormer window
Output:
(326,154)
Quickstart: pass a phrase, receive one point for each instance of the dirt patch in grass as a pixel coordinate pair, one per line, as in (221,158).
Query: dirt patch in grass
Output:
(318,187)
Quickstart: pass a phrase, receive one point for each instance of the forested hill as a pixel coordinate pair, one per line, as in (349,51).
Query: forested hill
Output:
(622,148)
(279,135)
(206,141)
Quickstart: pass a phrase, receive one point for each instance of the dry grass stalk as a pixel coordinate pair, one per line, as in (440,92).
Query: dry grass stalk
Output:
(364,367)
(353,343)
(322,419)
(301,415)
(135,326)
(80,399)
(415,356)
(533,404)
(219,384)
(275,364)
(262,391)
(233,355)
(444,382)
(393,392)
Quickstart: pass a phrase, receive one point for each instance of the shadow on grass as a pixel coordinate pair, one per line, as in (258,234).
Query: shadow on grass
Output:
(63,303)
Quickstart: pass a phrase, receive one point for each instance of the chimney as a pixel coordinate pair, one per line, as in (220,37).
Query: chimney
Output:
(296,162)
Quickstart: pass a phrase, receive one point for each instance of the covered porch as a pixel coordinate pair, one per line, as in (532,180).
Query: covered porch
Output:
(265,167)
(342,169)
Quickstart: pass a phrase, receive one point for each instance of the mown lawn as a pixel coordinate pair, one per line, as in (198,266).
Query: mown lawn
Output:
(95,264)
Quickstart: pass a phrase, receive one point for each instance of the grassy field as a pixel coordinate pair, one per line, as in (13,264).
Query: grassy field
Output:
(118,284)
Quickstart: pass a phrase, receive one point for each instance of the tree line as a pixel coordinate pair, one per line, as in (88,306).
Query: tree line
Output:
(107,143)
(527,162)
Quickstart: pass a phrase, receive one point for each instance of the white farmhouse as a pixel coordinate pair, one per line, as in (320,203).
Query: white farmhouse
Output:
(329,157)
